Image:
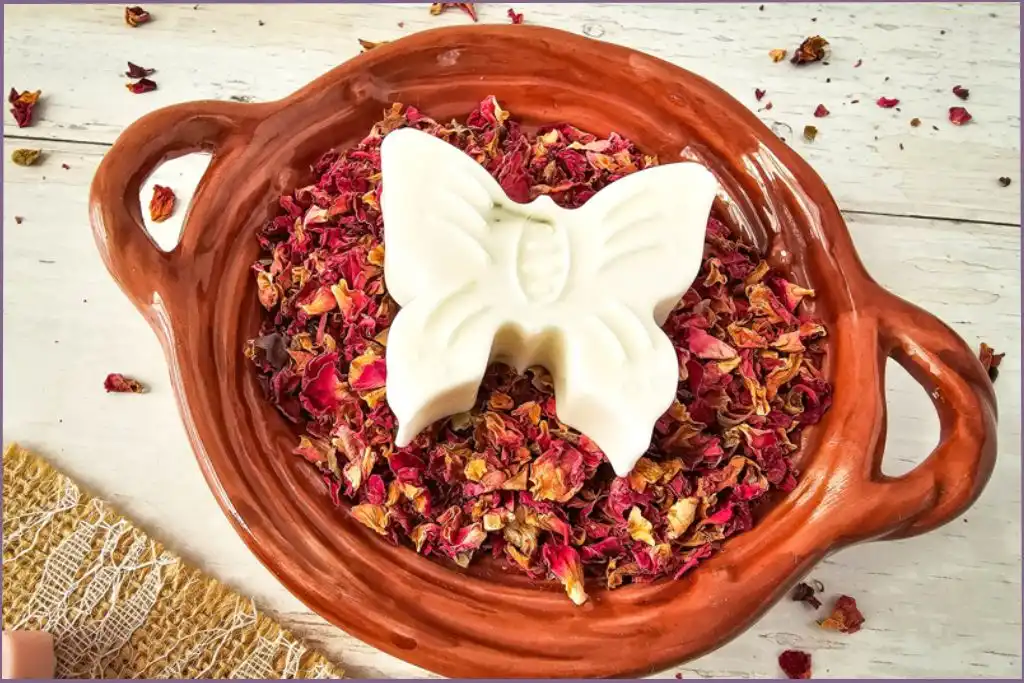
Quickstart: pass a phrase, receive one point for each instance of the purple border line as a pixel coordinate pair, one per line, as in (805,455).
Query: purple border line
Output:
(1020,350)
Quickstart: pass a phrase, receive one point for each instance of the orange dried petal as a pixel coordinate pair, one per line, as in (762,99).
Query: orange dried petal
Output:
(161,206)
(375,517)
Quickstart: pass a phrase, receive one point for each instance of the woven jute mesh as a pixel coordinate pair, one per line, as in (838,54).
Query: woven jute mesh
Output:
(117,603)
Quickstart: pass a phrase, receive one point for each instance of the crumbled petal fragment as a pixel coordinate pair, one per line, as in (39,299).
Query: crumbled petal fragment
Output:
(136,16)
(506,478)
(915,122)
(161,205)
(990,360)
(887,102)
(858,63)
(136,71)
(777,55)
(1004,181)
(810,132)
(22,105)
(961,92)
(958,116)
(26,157)
(813,49)
(515,17)
(820,111)
(19,219)
(368,45)
(795,664)
(118,383)
(467,7)
(805,593)
(845,617)
(143,85)
(758,94)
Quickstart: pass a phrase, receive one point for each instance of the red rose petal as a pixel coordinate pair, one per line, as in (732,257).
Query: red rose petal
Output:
(795,664)
(958,116)
(118,383)
(887,102)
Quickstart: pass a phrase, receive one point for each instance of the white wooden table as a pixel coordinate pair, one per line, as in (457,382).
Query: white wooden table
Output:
(926,211)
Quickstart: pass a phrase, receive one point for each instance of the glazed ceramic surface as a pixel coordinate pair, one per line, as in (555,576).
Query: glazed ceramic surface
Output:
(200,299)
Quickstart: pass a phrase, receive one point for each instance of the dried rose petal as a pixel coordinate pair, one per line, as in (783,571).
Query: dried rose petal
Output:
(367,372)
(116,382)
(161,206)
(467,7)
(958,116)
(22,105)
(915,122)
(795,664)
(19,219)
(887,102)
(845,617)
(777,55)
(26,157)
(810,132)
(820,111)
(813,49)
(558,474)
(858,63)
(368,45)
(990,360)
(564,563)
(961,92)
(136,71)
(805,593)
(639,528)
(515,17)
(1004,181)
(141,86)
(703,345)
(135,16)
(374,517)
(758,94)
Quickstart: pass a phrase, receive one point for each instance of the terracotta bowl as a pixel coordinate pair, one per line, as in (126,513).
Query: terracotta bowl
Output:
(200,299)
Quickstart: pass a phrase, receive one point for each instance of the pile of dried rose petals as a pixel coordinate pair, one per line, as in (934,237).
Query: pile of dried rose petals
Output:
(507,478)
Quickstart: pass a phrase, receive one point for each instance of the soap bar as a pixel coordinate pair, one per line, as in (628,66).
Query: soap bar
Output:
(582,292)
(27,654)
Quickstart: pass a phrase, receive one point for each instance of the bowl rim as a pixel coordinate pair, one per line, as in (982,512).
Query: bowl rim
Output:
(415,613)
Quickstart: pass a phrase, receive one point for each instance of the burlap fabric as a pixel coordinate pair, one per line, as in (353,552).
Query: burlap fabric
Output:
(118,604)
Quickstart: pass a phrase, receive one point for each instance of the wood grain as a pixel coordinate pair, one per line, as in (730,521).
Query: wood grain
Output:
(947,603)
(77,57)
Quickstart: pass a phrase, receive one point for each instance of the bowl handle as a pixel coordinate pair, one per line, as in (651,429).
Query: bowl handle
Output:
(954,473)
(128,251)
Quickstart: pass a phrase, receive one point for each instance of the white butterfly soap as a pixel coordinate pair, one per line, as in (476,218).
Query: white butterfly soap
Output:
(582,292)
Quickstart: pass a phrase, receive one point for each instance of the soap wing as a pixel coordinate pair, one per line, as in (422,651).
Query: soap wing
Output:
(435,201)
(437,353)
(618,376)
(652,222)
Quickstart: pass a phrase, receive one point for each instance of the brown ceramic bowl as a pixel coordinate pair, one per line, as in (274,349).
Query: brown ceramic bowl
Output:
(200,299)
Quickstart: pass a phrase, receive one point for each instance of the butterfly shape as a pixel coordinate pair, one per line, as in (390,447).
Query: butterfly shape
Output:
(582,292)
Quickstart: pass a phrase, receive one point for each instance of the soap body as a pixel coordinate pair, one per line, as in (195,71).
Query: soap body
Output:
(582,292)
